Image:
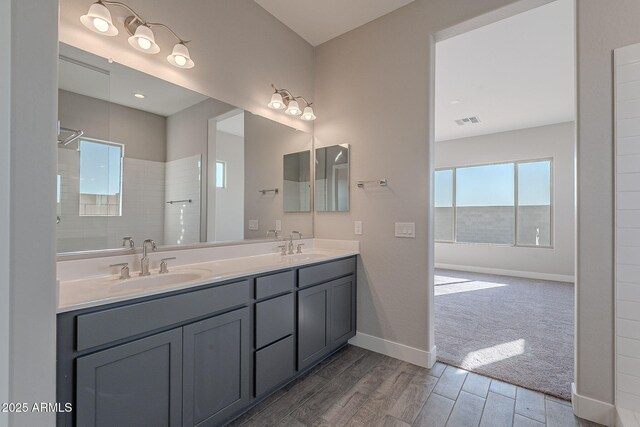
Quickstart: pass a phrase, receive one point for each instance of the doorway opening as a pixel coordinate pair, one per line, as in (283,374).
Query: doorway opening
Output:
(504,207)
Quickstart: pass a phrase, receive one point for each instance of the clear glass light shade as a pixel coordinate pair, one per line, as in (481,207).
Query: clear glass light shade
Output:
(180,57)
(307,114)
(277,103)
(143,40)
(293,109)
(98,20)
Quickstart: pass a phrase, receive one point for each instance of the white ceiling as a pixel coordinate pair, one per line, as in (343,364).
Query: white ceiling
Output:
(513,74)
(320,21)
(91,75)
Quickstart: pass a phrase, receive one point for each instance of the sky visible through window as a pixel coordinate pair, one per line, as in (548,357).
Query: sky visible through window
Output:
(99,168)
(493,185)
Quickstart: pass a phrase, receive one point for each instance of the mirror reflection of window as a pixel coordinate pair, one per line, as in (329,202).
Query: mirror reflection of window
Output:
(221,174)
(100,178)
(332,179)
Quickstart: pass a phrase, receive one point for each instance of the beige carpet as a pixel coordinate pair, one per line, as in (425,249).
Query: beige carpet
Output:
(516,330)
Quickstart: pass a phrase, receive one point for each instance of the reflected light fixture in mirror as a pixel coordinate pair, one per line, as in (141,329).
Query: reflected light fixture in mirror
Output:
(282,99)
(98,19)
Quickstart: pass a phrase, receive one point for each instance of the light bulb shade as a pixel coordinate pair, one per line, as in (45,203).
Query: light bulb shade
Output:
(277,103)
(307,114)
(293,109)
(98,20)
(180,57)
(144,41)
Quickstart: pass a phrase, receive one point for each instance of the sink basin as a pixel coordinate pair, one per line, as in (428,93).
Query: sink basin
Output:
(159,280)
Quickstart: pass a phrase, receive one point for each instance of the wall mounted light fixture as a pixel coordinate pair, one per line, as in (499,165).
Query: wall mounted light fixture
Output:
(98,19)
(282,99)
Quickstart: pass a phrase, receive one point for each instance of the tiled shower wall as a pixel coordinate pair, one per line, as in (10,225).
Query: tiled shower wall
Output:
(182,182)
(627,91)
(142,206)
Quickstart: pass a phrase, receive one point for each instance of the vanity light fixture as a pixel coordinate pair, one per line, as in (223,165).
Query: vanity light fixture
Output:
(282,99)
(98,19)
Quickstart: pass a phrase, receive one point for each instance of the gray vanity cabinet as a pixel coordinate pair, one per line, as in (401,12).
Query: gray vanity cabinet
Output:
(313,324)
(326,319)
(134,384)
(342,311)
(216,379)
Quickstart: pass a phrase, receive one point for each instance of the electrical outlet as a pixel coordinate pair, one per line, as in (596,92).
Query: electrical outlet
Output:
(357,227)
(405,229)
(278,225)
(253,224)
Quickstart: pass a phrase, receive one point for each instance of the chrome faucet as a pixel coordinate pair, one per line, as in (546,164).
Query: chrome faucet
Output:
(298,233)
(275,233)
(128,240)
(144,262)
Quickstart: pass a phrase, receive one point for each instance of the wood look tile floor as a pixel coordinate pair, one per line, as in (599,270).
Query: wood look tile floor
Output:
(356,387)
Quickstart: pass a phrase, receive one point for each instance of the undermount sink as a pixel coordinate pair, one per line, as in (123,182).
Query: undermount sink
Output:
(156,280)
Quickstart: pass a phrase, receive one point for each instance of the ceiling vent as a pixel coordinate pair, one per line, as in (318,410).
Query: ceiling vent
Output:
(468,121)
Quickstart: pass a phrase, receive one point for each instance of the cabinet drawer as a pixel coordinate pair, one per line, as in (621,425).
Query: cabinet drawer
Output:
(324,272)
(106,326)
(274,284)
(274,365)
(274,319)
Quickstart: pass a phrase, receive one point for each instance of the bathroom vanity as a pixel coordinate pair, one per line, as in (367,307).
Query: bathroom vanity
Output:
(203,353)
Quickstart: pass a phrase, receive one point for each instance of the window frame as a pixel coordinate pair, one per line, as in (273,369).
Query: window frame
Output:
(113,144)
(515,163)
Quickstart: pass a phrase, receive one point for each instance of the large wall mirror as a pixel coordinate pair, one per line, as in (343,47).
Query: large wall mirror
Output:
(140,158)
(332,178)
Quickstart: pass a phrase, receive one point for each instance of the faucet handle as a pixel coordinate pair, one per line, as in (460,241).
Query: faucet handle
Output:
(283,249)
(130,240)
(124,271)
(163,264)
(299,250)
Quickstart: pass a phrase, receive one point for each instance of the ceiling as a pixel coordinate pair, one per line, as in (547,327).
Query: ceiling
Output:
(320,21)
(516,73)
(87,74)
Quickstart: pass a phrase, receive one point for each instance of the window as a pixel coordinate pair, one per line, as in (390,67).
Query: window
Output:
(534,203)
(100,178)
(221,174)
(485,210)
(444,205)
(506,203)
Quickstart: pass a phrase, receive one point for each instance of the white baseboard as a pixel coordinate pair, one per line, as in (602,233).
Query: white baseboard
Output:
(396,350)
(592,409)
(514,273)
(626,418)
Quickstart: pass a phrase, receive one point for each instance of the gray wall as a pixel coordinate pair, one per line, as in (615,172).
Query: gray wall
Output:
(144,134)
(494,224)
(602,27)
(27,246)
(552,141)
(358,77)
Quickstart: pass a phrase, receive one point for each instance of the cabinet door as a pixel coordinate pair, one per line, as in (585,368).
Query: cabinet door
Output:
(313,324)
(135,384)
(342,311)
(217,355)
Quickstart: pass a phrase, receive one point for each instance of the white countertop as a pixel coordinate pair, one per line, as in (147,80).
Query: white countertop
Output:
(99,290)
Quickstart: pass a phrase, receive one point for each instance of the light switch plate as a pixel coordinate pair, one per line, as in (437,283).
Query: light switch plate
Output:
(278,225)
(253,224)
(406,229)
(357,227)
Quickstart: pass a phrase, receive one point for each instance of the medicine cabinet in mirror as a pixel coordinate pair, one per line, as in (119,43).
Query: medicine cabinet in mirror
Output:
(141,158)
(332,179)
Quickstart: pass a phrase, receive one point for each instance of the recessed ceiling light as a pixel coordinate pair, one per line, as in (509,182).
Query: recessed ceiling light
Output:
(455,101)
(139,95)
